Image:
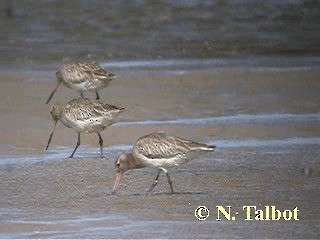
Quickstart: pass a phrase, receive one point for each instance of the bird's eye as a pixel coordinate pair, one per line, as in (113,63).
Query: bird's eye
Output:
(117,164)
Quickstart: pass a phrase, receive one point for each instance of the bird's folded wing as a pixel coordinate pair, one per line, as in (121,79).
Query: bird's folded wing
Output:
(163,148)
(81,113)
(94,70)
(100,73)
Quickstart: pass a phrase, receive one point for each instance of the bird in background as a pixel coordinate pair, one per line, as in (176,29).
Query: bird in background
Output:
(160,151)
(83,77)
(84,116)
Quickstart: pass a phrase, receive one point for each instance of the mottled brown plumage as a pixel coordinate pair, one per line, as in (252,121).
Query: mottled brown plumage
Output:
(85,115)
(160,151)
(83,77)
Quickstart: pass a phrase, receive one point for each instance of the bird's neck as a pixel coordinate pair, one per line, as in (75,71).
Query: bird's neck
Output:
(133,162)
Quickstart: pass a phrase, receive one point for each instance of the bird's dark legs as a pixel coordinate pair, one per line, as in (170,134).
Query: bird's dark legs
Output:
(170,182)
(78,144)
(155,182)
(101,144)
(54,90)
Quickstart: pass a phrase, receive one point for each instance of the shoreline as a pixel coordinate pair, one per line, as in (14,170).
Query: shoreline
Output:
(182,65)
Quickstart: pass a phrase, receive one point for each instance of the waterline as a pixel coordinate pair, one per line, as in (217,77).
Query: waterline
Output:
(241,118)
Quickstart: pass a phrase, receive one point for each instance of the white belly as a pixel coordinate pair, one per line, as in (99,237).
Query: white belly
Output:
(87,126)
(164,162)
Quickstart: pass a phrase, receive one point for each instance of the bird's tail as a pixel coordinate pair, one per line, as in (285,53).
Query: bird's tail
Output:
(111,75)
(209,148)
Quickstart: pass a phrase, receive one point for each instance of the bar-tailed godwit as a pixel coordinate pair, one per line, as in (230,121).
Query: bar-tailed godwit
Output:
(158,150)
(84,116)
(83,77)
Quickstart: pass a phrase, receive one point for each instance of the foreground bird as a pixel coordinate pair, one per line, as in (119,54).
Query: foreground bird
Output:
(84,115)
(83,77)
(157,150)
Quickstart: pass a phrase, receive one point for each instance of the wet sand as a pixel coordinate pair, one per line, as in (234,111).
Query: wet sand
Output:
(265,123)
(71,198)
(163,96)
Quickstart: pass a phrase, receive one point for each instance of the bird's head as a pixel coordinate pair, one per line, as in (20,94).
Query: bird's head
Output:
(55,112)
(123,163)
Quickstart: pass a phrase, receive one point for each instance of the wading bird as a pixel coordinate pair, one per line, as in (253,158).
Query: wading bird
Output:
(158,150)
(83,77)
(84,116)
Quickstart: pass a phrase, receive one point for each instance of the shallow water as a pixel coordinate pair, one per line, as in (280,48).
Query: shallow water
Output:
(237,119)
(33,33)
